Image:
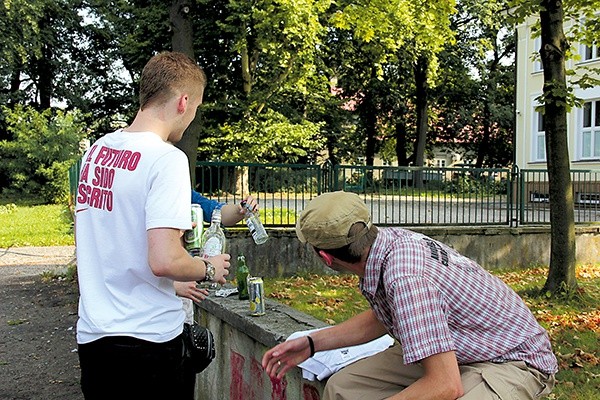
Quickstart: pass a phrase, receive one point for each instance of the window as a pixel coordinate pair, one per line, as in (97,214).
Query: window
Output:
(590,130)
(537,60)
(590,52)
(440,162)
(539,137)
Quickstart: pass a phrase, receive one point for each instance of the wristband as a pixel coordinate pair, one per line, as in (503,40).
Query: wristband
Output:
(311,343)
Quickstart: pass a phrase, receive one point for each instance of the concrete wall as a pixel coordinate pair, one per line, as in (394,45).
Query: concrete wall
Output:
(491,247)
(241,340)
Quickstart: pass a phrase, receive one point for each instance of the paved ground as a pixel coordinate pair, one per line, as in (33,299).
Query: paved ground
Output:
(38,350)
(31,261)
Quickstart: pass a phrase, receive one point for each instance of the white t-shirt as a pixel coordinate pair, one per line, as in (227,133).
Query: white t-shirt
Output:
(129,183)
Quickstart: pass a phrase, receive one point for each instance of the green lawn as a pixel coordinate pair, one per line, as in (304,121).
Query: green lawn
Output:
(40,225)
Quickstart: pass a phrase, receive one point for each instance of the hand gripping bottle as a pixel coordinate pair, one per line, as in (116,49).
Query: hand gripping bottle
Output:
(193,237)
(259,234)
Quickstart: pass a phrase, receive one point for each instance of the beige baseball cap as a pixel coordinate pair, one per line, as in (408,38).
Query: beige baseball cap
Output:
(326,220)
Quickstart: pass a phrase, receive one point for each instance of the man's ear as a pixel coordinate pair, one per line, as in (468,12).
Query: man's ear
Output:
(327,257)
(182,103)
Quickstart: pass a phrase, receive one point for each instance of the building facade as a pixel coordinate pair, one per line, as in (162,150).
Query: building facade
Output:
(583,122)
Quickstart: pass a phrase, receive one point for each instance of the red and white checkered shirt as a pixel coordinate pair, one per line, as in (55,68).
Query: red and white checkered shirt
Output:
(434,300)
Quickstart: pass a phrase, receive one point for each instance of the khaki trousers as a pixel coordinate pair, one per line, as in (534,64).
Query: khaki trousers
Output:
(384,374)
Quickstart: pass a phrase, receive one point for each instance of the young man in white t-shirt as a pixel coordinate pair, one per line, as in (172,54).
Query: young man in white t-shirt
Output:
(133,203)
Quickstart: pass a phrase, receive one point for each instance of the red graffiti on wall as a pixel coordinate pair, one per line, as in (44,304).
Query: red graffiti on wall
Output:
(278,389)
(246,381)
(257,375)
(248,385)
(310,392)
(238,389)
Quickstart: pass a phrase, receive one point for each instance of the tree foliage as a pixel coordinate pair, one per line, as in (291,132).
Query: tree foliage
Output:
(393,35)
(264,79)
(474,108)
(289,80)
(45,145)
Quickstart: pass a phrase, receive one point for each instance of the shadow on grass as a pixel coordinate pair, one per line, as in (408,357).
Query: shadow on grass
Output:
(585,298)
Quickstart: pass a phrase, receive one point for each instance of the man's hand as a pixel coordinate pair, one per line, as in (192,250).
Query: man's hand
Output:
(190,290)
(251,203)
(285,356)
(231,214)
(221,264)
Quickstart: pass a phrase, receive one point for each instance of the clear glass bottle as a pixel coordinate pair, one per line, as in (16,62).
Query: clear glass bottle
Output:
(241,276)
(259,234)
(213,238)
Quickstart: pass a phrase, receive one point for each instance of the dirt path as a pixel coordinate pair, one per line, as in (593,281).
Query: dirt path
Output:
(38,357)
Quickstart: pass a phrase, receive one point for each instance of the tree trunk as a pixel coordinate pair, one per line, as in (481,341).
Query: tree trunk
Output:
(44,70)
(246,74)
(401,142)
(240,182)
(183,41)
(422,91)
(491,87)
(483,148)
(401,135)
(561,275)
(370,121)
(331,146)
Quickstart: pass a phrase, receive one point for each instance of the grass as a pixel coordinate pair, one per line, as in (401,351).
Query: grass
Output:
(24,224)
(276,216)
(573,323)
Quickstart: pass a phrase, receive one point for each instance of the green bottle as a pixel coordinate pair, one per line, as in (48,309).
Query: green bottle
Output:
(241,276)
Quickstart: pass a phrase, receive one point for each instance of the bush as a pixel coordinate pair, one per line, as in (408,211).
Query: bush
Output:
(43,146)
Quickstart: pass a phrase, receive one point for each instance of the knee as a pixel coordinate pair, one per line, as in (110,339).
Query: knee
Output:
(334,387)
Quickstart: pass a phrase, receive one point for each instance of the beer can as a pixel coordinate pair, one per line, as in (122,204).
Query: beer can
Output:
(256,292)
(193,237)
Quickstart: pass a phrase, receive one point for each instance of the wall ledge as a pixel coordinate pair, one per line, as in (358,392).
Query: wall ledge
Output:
(275,326)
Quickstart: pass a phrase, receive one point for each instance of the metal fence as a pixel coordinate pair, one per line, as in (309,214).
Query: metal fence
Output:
(430,196)
(282,190)
(534,205)
(410,196)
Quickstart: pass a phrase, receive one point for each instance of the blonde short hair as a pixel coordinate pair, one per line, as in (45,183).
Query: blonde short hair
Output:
(167,74)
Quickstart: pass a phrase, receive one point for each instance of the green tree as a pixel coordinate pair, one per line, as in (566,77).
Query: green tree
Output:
(19,33)
(259,89)
(63,54)
(45,145)
(183,41)
(120,37)
(474,103)
(399,33)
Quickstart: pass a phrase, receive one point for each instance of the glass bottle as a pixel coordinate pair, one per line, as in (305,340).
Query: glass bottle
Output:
(213,238)
(193,238)
(259,234)
(241,276)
